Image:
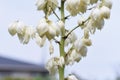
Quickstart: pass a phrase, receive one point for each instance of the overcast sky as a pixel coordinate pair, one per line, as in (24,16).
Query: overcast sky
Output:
(103,56)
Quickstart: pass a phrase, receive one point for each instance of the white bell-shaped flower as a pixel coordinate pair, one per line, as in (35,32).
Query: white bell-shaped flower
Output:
(26,36)
(53,30)
(80,46)
(12,28)
(72,6)
(29,33)
(96,15)
(70,39)
(107,3)
(42,27)
(21,27)
(72,56)
(47,5)
(105,12)
(40,4)
(83,6)
(86,42)
(51,66)
(40,40)
(53,63)
(100,24)
(83,51)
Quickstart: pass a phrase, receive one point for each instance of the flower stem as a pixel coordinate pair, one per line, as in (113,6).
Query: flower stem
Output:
(61,46)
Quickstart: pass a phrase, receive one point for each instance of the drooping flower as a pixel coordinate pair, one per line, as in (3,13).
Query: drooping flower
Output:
(83,6)
(47,5)
(80,46)
(53,64)
(21,27)
(40,40)
(48,28)
(105,12)
(72,56)
(107,3)
(12,28)
(71,38)
(72,6)
(42,27)
(96,15)
(29,33)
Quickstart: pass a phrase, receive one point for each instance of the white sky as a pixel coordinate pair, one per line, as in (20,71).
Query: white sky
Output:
(102,58)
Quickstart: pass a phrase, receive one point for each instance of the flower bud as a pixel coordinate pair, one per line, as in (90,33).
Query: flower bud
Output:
(51,48)
(86,42)
(12,28)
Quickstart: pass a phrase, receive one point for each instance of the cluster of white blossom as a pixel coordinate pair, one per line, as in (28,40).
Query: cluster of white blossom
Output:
(48,29)
(23,32)
(54,63)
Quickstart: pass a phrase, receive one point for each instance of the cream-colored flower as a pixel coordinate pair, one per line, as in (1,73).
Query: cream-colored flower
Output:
(12,28)
(51,66)
(47,5)
(83,6)
(72,6)
(96,15)
(86,42)
(29,33)
(53,63)
(105,12)
(53,30)
(83,51)
(42,27)
(80,46)
(21,27)
(72,56)
(70,39)
(40,40)
(107,3)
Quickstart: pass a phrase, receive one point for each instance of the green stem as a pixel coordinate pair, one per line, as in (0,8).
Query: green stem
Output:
(61,46)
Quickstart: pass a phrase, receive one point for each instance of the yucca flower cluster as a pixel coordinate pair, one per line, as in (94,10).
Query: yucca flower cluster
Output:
(49,30)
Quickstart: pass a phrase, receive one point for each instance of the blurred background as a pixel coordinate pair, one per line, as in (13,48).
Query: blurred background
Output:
(28,61)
